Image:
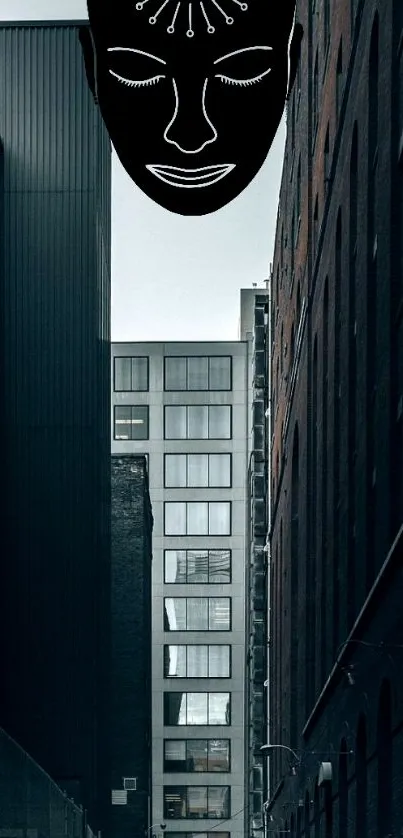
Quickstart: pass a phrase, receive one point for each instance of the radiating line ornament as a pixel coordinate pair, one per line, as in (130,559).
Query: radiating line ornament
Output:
(190,31)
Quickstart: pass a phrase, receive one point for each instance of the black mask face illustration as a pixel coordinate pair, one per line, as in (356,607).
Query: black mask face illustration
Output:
(191,93)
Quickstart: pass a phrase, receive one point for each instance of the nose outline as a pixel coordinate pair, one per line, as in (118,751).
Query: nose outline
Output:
(175,114)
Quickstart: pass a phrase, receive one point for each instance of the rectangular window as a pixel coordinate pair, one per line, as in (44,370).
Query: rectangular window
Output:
(196,802)
(182,709)
(197,661)
(197,471)
(188,567)
(198,373)
(131,422)
(197,518)
(199,421)
(130,375)
(193,755)
(197,614)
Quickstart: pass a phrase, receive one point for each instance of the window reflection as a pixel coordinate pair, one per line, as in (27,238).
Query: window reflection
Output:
(197,566)
(200,708)
(194,755)
(196,802)
(197,518)
(197,614)
(197,661)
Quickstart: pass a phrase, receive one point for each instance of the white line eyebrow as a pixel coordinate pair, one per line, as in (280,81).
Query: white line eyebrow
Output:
(138,51)
(238,51)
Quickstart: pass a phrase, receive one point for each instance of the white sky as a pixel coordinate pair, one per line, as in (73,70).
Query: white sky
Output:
(178,278)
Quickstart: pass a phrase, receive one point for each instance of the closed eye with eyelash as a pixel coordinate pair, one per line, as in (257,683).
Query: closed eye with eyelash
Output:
(133,83)
(242,82)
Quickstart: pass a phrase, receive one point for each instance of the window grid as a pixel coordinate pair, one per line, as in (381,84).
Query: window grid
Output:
(187,415)
(197,661)
(197,567)
(130,422)
(197,373)
(197,613)
(193,802)
(183,756)
(207,466)
(183,709)
(188,511)
(130,374)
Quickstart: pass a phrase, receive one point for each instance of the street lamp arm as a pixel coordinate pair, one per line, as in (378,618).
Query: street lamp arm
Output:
(284,747)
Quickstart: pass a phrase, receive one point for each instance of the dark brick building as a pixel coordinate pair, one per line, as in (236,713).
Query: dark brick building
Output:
(55,395)
(336,691)
(130,722)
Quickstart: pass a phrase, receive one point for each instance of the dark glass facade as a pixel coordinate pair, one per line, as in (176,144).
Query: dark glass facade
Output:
(55,304)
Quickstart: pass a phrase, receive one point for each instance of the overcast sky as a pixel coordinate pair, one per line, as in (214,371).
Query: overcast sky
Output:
(177,278)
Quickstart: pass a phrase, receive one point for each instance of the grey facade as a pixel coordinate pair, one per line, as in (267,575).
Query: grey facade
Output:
(130,717)
(184,415)
(55,298)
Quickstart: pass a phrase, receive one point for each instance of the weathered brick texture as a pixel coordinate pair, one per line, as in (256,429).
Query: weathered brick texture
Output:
(131,642)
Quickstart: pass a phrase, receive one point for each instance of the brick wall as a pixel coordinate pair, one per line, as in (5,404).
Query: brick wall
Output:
(131,642)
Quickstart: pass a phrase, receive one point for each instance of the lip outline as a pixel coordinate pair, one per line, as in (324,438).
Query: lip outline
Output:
(179,173)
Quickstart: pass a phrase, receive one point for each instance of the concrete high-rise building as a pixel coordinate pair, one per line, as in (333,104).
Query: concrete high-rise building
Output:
(187,407)
(336,453)
(55,396)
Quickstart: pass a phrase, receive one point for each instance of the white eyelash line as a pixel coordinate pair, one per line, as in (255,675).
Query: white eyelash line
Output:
(243,82)
(171,122)
(133,83)
(171,28)
(138,52)
(239,51)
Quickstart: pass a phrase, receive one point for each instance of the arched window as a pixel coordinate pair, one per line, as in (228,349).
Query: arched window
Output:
(281,348)
(324,480)
(298,306)
(292,346)
(311,573)
(299,821)
(336,441)
(307,816)
(371,301)
(339,78)
(294,585)
(352,378)
(316,811)
(328,811)
(343,790)
(361,779)
(385,755)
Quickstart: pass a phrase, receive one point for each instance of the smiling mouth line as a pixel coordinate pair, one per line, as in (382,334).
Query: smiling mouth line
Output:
(191,178)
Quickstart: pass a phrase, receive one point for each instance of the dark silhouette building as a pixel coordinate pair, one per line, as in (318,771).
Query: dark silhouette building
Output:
(55,300)
(336,533)
(130,720)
